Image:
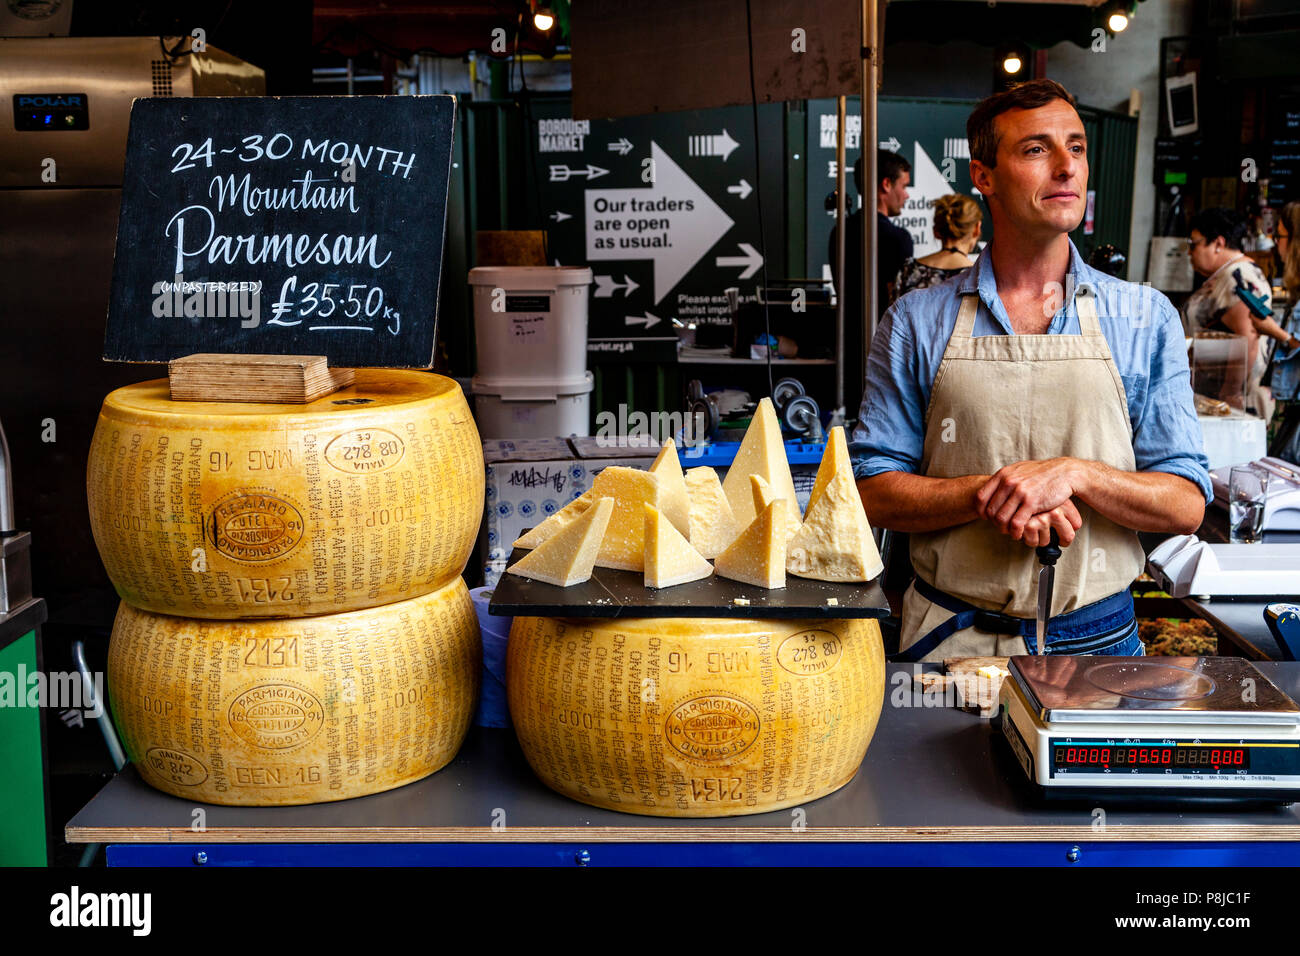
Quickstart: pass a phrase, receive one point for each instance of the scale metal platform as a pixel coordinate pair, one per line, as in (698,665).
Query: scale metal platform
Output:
(1139,726)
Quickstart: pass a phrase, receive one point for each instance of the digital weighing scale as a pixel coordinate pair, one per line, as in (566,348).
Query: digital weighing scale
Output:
(1139,726)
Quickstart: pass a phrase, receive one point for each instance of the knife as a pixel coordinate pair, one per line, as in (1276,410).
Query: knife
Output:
(1047,557)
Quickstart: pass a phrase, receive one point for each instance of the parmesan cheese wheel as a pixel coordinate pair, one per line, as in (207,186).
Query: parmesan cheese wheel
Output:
(367,496)
(269,713)
(694,717)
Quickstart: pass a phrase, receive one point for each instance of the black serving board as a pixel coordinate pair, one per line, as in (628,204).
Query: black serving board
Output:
(611,593)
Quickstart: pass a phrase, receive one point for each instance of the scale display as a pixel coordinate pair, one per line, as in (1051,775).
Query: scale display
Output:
(1152,758)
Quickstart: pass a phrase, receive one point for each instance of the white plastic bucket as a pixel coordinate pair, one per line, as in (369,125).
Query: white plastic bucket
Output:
(530,322)
(532,409)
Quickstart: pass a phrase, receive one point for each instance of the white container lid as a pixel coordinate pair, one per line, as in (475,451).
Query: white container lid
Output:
(535,390)
(530,277)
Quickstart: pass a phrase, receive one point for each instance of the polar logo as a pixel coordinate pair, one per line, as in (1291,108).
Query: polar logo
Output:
(51,100)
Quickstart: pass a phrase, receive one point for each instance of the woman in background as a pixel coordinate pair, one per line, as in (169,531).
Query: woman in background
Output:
(1284,441)
(1214,247)
(957,222)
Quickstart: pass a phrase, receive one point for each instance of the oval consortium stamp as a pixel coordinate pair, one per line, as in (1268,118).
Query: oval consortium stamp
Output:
(254,526)
(176,766)
(365,450)
(811,652)
(712,727)
(275,716)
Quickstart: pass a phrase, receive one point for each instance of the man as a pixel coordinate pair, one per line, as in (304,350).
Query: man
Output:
(1032,394)
(893,248)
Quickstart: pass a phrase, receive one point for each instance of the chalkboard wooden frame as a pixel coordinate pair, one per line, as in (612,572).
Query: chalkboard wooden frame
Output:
(308,225)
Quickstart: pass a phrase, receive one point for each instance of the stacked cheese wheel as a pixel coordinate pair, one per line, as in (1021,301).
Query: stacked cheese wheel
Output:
(294,627)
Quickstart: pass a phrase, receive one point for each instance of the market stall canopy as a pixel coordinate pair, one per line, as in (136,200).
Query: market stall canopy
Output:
(1038,24)
(631,59)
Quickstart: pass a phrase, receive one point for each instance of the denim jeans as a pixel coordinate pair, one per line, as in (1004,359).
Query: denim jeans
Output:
(1125,644)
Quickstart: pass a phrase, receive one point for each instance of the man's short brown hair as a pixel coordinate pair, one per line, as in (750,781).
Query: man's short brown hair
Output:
(1030,95)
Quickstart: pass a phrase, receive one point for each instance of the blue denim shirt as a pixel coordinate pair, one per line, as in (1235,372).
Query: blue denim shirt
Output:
(1286,364)
(1141,327)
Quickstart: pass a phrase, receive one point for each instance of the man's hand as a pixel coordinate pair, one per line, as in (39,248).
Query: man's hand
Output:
(1018,493)
(1065,519)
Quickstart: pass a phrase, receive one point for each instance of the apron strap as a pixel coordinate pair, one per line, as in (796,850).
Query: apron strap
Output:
(1084,630)
(1085,304)
(964,616)
(966,315)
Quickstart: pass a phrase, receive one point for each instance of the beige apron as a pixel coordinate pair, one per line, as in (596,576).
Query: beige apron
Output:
(997,400)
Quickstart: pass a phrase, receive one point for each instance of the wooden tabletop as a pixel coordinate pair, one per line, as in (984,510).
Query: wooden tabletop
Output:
(931,774)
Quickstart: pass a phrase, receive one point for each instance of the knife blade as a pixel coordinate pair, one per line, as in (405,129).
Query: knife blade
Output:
(1047,557)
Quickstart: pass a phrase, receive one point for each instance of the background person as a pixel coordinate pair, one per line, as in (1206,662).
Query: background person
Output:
(1215,248)
(893,248)
(957,223)
(1284,430)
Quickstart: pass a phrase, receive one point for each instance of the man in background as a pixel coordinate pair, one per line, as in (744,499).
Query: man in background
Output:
(893,248)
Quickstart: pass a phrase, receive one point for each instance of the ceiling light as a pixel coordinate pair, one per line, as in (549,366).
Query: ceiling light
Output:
(544,19)
(1012,63)
(1117,22)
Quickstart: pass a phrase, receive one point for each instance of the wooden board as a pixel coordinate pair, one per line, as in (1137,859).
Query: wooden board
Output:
(282,225)
(290,379)
(612,593)
(975,692)
(962,686)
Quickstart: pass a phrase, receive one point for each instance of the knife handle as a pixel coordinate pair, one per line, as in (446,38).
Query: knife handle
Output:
(1050,552)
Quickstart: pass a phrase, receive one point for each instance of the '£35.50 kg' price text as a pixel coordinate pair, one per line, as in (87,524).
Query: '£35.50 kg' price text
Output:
(334,307)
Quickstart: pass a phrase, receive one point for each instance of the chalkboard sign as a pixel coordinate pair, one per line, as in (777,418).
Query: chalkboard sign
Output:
(282,225)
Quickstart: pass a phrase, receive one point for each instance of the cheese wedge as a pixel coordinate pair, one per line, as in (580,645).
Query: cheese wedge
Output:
(763,497)
(568,556)
(713,526)
(556,522)
(834,460)
(835,542)
(758,556)
(669,558)
(631,489)
(761,453)
(667,468)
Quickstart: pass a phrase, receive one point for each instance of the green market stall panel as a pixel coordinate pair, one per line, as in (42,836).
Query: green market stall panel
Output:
(23,794)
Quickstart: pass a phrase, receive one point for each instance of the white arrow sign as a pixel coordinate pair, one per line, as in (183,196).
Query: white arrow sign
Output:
(713,144)
(741,189)
(928,184)
(560,216)
(751,260)
(622,146)
(606,286)
(649,320)
(672,221)
(562,174)
(891,144)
